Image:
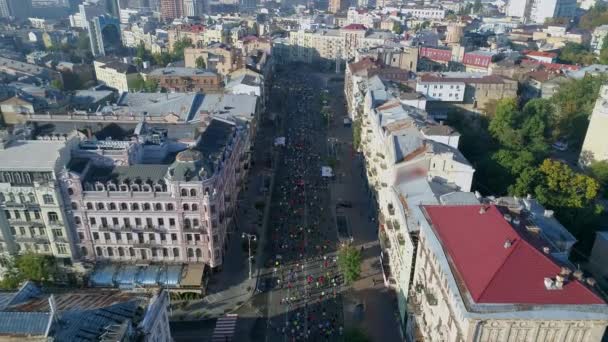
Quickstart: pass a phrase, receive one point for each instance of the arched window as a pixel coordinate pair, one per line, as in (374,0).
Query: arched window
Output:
(165,252)
(124,187)
(186,207)
(135,188)
(27,178)
(121,252)
(31,197)
(124,206)
(193,192)
(77,220)
(84,251)
(110,251)
(199,253)
(22,197)
(190,253)
(131,251)
(112,206)
(158,207)
(146,206)
(74,206)
(134,206)
(11,197)
(144,254)
(206,191)
(176,252)
(89,206)
(195,222)
(184,192)
(98,251)
(187,223)
(18,178)
(195,207)
(70,191)
(100,206)
(146,188)
(170,207)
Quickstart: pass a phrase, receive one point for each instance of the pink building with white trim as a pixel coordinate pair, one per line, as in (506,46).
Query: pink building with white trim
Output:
(177,209)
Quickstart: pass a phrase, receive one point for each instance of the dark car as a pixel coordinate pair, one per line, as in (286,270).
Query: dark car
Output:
(345,204)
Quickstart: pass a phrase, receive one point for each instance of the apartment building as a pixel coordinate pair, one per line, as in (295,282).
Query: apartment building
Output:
(199,35)
(537,11)
(33,218)
(429,13)
(597,38)
(594,146)
(174,211)
(470,91)
(327,45)
(115,74)
(171,9)
(18,69)
(218,57)
(523,290)
(177,79)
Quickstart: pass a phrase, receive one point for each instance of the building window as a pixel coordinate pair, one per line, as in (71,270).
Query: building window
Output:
(121,252)
(112,206)
(93,221)
(90,206)
(74,206)
(123,206)
(192,192)
(146,206)
(186,207)
(195,207)
(118,236)
(48,199)
(17,214)
(184,192)
(110,251)
(158,207)
(83,251)
(176,252)
(95,236)
(100,206)
(37,215)
(172,222)
(131,251)
(106,237)
(165,252)
(98,251)
(57,233)
(53,217)
(170,207)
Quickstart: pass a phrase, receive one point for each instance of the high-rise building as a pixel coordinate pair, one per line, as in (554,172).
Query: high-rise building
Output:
(104,34)
(19,9)
(247,4)
(536,11)
(336,6)
(113,8)
(171,9)
(193,8)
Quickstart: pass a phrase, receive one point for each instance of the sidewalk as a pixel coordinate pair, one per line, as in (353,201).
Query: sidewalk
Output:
(377,318)
(229,289)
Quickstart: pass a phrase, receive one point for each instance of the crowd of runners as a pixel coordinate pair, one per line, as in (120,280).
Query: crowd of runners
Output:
(302,270)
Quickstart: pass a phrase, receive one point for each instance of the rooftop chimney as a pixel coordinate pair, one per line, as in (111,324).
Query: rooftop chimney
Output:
(578,274)
(546,250)
(591,282)
(482,209)
(508,244)
(548,213)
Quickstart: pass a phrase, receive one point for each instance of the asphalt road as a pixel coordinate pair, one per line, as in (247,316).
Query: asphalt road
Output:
(301,283)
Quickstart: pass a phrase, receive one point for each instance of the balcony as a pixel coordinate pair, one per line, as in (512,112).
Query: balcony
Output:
(391,209)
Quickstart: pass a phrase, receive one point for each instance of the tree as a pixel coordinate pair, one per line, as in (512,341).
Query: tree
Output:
(179,46)
(57,84)
(576,54)
(71,81)
(146,86)
(477,6)
(596,16)
(563,187)
(574,101)
(504,123)
(397,28)
(349,260)
(599,171)
(142,53)
(357,133)
(200,62)
(162,59)
(604,51)
(29,266)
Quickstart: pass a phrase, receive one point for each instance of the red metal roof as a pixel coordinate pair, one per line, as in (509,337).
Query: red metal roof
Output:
(542,54)
(475,245)
(354,27)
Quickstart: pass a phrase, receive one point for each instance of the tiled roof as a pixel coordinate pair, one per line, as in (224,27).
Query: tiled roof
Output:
(354,27)
(431,78)
(493,272)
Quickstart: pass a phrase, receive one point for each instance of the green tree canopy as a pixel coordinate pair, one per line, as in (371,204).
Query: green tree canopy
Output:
(162,59)
(200,62)
(596,16)
(146,86)
(576,54)
(29,266)
(349,260)
(397,28)
(179,46)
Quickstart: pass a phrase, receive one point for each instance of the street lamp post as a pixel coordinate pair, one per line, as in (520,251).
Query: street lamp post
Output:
(249,237)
